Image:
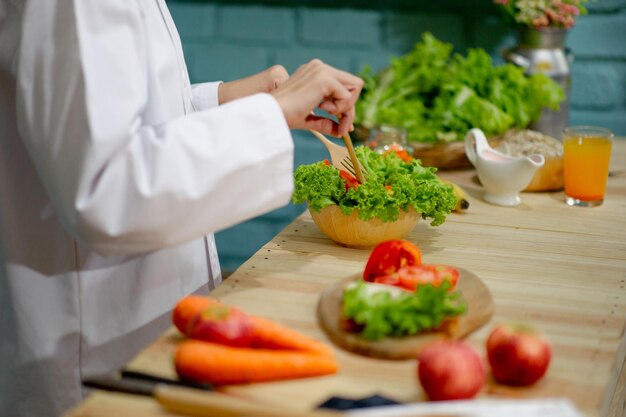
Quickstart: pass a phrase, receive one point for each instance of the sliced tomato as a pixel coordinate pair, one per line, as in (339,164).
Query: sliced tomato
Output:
(350,326)
(351,181)
(412,276)
(391,279)
(389,256)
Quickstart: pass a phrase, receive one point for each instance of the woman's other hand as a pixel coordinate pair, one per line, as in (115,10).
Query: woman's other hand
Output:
(318,85)
(263,82)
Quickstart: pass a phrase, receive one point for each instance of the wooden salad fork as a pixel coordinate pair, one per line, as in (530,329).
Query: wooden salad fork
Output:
(343,157)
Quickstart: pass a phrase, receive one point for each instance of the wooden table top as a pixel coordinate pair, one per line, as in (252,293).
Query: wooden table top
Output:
(560,268)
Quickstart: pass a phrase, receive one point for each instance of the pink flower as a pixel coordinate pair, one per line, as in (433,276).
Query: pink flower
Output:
(540,22)
(542,13)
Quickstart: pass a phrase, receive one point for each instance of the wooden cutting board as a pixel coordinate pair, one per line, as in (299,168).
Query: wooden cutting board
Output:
(479,311)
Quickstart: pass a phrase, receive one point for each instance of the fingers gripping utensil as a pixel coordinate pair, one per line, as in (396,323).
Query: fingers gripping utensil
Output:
(342,157)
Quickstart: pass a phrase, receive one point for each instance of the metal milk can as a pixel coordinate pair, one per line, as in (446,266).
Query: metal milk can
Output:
(543,51)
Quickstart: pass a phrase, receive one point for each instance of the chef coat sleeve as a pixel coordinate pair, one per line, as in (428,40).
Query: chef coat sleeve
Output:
(120,185)
(205,95)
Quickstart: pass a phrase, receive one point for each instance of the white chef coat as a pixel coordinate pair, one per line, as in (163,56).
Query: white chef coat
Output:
(114,172)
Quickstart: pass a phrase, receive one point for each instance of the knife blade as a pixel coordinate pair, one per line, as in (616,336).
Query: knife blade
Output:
(131,374)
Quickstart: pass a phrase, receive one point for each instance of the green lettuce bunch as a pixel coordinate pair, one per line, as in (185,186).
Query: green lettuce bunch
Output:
(392,186)
(382,314)
(438,96)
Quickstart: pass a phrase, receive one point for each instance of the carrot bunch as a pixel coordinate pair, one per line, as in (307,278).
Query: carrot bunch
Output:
(228,346)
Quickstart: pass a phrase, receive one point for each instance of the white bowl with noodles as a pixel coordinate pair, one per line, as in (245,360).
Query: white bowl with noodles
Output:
(349,230)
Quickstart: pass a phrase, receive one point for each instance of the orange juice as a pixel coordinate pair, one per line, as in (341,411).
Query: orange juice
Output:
(586,166)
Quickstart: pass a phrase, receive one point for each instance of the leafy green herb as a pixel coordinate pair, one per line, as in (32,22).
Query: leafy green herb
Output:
(438,96)
(384,314)
(392,186)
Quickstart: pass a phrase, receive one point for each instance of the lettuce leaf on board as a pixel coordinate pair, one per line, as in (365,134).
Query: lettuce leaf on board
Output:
(438,95)
(383,314)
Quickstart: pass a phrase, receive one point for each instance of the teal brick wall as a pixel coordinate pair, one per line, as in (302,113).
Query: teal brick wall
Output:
(226,40)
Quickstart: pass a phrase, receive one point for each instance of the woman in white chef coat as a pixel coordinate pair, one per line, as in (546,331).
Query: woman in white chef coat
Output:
(114,172)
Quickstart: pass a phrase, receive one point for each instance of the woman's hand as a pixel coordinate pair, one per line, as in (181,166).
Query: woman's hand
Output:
(263,82)
(314,85)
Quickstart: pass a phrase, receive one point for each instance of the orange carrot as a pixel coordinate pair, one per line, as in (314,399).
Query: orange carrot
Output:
(271,335)
(220,365)
(187,309)
(266,333)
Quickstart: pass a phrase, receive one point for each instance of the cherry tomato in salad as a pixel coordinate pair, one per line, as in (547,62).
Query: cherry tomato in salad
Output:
(412,276)
(351,181)
(402,154)
(400,151)
(389,256)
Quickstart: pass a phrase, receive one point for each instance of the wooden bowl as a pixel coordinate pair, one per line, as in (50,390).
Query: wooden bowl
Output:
(441,155)
(356,233)
(444,155)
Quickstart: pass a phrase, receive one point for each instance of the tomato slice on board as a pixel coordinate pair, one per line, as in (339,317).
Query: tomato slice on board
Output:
(412,276)
(389,256)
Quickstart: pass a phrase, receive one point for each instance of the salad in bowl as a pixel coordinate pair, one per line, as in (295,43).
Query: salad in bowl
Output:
(397,192)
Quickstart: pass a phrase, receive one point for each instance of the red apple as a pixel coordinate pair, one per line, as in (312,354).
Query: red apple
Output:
(518,354)
(222,324)
(450,370)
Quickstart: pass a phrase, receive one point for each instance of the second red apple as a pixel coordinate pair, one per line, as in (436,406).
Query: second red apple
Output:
(518,354)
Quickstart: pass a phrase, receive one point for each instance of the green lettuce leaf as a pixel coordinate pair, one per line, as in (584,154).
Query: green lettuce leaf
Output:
(383,314)
(438,95)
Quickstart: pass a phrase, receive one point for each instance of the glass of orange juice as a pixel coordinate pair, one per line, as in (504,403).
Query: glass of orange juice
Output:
(586,155)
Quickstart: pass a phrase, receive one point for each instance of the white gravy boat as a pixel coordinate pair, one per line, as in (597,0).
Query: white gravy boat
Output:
(502,176)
